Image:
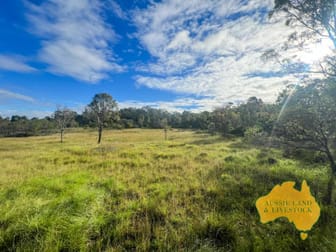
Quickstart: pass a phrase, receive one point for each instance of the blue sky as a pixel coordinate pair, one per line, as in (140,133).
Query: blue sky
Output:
(173,54)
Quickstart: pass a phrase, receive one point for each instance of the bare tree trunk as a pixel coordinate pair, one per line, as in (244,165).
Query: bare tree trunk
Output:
(328,197)
(165,131)
(330,188)
(62,131)
(100,130)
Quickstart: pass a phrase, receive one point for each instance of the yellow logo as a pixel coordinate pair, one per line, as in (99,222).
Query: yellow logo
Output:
(299,207)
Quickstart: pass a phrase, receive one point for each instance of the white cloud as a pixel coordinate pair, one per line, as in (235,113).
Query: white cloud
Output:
(75,38)
(15,63)
(177,105)
(8,95)
(116,9)
(213,48)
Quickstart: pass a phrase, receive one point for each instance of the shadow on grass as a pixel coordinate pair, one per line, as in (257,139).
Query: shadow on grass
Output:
(209,140)
(241,145)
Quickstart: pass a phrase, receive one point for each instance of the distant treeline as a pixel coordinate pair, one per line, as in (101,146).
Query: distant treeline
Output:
(252,116)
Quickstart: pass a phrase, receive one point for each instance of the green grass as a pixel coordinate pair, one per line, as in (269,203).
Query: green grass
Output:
(135,191)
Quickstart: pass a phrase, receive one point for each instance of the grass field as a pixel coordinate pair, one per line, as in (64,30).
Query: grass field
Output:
(137,192)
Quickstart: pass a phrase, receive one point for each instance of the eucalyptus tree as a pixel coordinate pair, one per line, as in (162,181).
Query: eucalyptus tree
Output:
(318,20)
(309,120)
(104,109)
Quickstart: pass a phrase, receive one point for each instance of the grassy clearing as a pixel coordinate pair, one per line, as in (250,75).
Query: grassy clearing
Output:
(135,191)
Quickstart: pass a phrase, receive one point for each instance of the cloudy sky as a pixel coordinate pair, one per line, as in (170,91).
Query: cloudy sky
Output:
(176,55)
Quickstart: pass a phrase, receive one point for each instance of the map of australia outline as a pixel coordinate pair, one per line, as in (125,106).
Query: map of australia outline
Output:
(299,207)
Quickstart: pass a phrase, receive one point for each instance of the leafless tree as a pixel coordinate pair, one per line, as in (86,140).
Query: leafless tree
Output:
(63,117)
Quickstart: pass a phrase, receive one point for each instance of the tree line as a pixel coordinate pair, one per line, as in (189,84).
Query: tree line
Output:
(103,112)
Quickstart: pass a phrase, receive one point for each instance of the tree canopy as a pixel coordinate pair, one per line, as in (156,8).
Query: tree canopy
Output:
(105,109)
(316,15)
(309,120)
